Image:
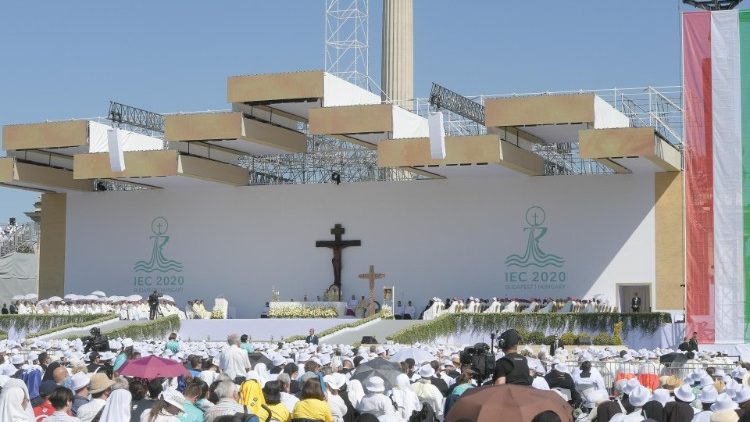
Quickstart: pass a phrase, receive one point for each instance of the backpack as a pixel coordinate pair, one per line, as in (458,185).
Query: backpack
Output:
(427,414)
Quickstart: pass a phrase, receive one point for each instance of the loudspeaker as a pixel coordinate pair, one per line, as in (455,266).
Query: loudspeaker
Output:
(437,135)
(116,155)
(368,340)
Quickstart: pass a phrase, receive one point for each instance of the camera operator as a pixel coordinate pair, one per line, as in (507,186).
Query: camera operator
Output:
(153,304)
(96,341)
(512,368)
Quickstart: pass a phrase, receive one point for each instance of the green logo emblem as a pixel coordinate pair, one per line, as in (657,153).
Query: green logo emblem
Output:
(534,255)
(158,262)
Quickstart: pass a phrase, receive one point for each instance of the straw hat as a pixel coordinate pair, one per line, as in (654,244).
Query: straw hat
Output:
(99,383)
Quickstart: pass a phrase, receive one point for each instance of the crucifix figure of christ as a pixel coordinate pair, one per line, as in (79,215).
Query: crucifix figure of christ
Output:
(336,245)
(371,277)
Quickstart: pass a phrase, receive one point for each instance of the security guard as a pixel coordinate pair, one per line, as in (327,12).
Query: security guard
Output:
(512,368)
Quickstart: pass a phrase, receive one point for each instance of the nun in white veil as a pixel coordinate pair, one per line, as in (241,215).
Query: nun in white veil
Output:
(15,405)
(118,407)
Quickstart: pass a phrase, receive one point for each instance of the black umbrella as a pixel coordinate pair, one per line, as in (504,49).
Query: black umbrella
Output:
(256,358)
(673,358)
(378,367)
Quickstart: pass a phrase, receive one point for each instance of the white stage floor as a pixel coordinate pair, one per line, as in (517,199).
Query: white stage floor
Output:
(260,329)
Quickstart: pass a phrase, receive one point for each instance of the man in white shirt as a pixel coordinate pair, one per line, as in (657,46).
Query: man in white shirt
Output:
(100,388)
(399,314)
(410,312)
(234,361)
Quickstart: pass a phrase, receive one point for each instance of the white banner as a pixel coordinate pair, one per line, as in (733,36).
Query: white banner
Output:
(727,176)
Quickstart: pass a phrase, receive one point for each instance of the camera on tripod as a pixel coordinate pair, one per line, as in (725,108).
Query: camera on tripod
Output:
(481,359)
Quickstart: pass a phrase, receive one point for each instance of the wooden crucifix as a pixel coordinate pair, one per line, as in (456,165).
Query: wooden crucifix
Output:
(336,246)
(371,277)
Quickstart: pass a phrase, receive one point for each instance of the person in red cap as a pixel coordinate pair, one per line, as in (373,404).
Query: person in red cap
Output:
(45,408)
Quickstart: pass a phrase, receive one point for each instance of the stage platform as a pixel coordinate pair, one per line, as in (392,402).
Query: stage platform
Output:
(260,329)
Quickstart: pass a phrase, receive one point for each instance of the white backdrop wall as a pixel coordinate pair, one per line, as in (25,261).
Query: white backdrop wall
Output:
(431,238)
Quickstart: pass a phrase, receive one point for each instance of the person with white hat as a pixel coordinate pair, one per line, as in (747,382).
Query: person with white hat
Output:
(707,397)
(427,392)
(334,382)
(166,409)
(375,402)
(680,409)
(637,398)
(724,409)
(100,389)
(125,354)
(80,386)
(405,398)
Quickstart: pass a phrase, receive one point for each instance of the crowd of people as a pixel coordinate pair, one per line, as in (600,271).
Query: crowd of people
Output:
(134,307)
(237,380)
(437,306)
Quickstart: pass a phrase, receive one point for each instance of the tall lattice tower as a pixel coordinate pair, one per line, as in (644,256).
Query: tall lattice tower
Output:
(347,40)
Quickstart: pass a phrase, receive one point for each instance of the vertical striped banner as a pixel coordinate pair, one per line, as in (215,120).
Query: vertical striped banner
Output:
(699,222)
(744,23)
(726,140)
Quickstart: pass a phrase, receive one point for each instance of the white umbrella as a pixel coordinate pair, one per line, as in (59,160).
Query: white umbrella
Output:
(71,296)
(419,356)
(17,297)
(134,298)
(168,298)
(99,293)
(55,299)
(31,296)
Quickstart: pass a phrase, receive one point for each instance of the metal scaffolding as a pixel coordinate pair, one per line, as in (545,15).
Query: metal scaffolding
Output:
(325,156)
(658,107)
(347,40)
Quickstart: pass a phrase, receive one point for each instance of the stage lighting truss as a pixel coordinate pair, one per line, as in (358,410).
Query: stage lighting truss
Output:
(713,4)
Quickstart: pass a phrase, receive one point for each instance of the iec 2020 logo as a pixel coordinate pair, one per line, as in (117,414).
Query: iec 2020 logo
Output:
(158,272)
(535,269)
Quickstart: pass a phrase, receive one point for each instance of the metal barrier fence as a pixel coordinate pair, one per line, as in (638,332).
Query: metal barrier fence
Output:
(613,371)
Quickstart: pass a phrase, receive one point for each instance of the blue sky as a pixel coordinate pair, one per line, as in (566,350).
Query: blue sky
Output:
(67,59)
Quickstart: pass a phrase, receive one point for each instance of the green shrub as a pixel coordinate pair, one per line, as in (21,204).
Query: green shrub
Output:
(603,339)
(535,337)
(584,340)
(617,334)
(157,328)
(568,338)
(101,319)
(451,324)
(40,324)
(337,328)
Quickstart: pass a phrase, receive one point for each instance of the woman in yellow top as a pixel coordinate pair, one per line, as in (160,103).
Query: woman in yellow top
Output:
(313,405)
(273,407)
